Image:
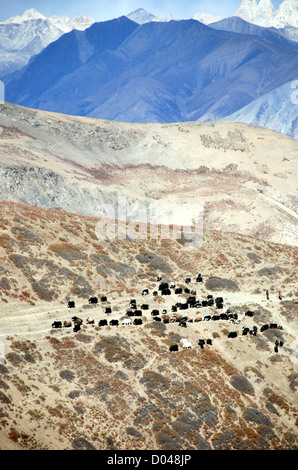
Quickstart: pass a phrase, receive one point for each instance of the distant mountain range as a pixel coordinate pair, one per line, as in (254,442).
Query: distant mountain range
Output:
(21,37)
(261,14)
(25,35)
(155,70)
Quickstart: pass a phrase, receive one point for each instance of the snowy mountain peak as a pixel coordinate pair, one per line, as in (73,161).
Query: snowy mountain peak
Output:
(82,22)
(264,14)
(64,23)
(266,7)
(287,14)
(28,15)
(207,18)
(248,10)
(141,16)
(23,36)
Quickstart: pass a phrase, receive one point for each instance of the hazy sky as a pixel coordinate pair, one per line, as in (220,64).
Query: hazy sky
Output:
(102,10)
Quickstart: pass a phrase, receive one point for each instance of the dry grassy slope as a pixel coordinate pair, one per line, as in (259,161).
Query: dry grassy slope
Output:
(120,387)
(243,176)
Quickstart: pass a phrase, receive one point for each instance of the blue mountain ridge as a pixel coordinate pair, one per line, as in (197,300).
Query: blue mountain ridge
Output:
(156,72)
(238,25)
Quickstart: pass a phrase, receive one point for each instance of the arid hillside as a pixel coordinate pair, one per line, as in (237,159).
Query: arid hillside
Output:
(244,177)
(120,387)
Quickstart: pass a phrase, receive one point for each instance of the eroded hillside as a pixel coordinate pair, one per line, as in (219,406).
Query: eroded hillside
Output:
(243,176)
(119,387)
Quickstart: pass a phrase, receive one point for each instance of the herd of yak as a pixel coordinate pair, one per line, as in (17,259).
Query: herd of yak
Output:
(192,301)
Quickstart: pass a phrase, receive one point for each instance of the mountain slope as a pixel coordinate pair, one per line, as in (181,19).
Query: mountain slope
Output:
(155,72)
(119,387)
(244,177)
(238,25)
(275,110)
(69,53)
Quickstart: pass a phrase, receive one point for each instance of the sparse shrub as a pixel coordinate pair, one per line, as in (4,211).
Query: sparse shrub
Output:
(83,338)
(167,440)
(142,417)
(81,288)
(256,416)
(200,443)
(110,444)
(19,261)
(3,369)
(79,409)
(268,271)
(222,441)
(272,408)
(14,358)
(267,432)
(74,394)
(293,378)
(26,236)
(65,343)
(7,242)
(210,417)
(29,358)
(68,252)
(254,257)
(157,328)
(260,343)
(154,380)
(56,412)
(115,349)
(43,290)
(133,432)
(186,425)
(80,443)
(242,384)
(135,362)
(14,435)
(4,385)
(218,284)
(289,309)
(103,387)
(154,261)
(121,375)
(67,375)
(230,409)
(200,404)
(277,400)
(5,284)
(107,267)
(4,398)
